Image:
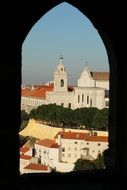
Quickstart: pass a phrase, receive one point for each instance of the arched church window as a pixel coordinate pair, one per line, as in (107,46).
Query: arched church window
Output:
(90,102)
(87,99)
(62,83)
(78,98)
(82,97)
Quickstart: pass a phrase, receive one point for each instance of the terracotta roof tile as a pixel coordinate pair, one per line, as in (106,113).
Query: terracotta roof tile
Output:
(24,149)
(37,92)
(100,75)
(97,138)
(33,166)
(55,145)
(48,143)
(72,135)
(25,157)
(82,136)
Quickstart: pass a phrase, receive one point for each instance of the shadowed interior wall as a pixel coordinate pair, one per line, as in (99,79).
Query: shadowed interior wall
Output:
(16,20)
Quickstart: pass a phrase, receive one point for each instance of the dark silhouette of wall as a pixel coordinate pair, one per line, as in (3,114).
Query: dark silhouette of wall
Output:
(16,20)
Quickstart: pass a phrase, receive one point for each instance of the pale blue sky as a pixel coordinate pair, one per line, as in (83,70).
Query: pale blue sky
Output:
(63,30)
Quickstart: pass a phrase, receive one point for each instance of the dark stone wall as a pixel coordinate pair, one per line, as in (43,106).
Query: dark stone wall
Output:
(16,20)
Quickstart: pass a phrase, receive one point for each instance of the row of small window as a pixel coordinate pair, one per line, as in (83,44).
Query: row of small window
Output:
(69,105)
(31,102)
(24,162)
(75,155)
(99,144)
(88,100)
(69,148)
(69,155)
(42,157)
(44,151)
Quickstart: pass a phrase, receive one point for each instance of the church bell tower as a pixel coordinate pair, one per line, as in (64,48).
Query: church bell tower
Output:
(60,78)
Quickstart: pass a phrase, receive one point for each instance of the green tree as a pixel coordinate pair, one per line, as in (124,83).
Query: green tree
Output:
(90,113)
(83,165)
(80,116)
(33,114)
(89,165)
(99,163)
(100,120)
(84,116)
(58,116)
(24,115)
(24,120)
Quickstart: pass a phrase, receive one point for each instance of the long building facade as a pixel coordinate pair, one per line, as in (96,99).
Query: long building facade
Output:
(62,152)
(91,91)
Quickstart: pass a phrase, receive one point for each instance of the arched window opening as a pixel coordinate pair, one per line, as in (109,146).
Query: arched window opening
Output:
(87,99)
(78,98)
(82,97)
(81,94)
(90,102)
(62,83)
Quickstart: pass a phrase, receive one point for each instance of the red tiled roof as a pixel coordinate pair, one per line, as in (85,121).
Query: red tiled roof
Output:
(48,143)
(100,75)
(72,135)
(55,145)
(97,138)
(24,149)
(25,157)
(25,92)
(82,136)
(37,92)
(33,166)
(41,86)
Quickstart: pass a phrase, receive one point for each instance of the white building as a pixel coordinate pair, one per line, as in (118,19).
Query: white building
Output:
(47,152)
(67,147)
(91,91)
(28,163)
(88,93)
(93,79)
(80,145)
(34,96)
(24,161)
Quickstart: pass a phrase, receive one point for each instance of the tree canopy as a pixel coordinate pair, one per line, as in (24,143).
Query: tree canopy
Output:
(58,116)
(24,120)
(100,120)
(81,164)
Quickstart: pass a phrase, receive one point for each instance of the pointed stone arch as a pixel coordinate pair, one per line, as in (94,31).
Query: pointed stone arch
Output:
(17,20)
(98,23)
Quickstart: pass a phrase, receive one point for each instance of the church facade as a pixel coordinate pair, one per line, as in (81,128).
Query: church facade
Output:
(90,91)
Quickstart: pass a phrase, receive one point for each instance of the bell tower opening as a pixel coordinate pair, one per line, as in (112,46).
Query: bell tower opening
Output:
(62,83)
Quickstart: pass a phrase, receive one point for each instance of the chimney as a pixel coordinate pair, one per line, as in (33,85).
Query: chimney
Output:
(92,132)
(59,139)
(63,129)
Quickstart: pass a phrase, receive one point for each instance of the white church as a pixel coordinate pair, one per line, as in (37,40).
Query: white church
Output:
(91,91)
